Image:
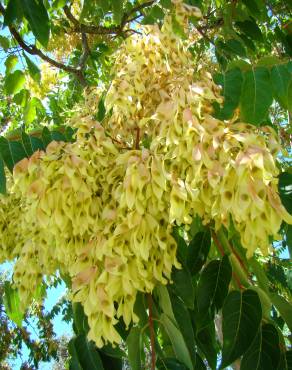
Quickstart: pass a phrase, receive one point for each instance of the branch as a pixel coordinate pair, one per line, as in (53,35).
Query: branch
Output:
(102,30)
(33,50)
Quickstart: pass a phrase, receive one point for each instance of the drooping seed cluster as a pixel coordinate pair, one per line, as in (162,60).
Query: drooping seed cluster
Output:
(101,209)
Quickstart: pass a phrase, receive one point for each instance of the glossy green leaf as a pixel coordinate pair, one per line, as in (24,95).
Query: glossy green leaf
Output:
(37,17)
(231,82)
(242,314)
(236,47)
(30,144)
(285,190)
(12,152)
(12,304)
(74,363)
(264,351)
(13,12)
(14,82)
(213,285)
(134,348)
(2,177)
(10,63)
(33,70)
(183,286)
(164,301)
(178,343)
(281,78)
(198,251)
(256,96)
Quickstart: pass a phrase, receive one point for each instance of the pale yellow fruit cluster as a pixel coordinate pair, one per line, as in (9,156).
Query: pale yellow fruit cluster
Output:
(49,80)
(102,209)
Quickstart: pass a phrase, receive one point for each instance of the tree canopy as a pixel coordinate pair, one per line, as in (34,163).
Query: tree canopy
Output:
(145,161)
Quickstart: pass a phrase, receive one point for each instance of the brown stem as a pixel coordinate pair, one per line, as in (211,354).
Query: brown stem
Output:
(137,141)
(152,333)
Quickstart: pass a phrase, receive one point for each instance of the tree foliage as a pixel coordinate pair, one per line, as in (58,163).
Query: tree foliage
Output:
(156,134)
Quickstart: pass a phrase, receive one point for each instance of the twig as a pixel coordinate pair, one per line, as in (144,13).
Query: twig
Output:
(152,333)
(33,50)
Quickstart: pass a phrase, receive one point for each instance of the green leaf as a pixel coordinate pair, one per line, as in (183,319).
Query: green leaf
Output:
(12,304)
(164,301)
(29,113)
(33,70)
(170,364)
(10,63)
(236,47)
(242,314)
(74,363)
(289,359)
(101,110)
(4,42)
(285,190)
(2,177)
(48,136)
(134,348)
(117,6)
(284,307)
(183,286)
(264,351)
(206,340)
(198,251)
(179,346)
(14,82)
(87,354)
(183,320)
(12,152)
(30,144)
(13,12)
(281,78)
(231,82)
(182,248)
(213,285)
(80,323)
(37,17)
(256,96)
(251,29)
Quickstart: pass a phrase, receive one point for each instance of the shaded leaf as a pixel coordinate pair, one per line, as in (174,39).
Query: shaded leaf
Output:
(213,285)
(198,251)
(33,70)
(281,78)
(183,286)
(264,352)
(2,177)
(170,364)
(206,340)
(284,307)
(242,314)
(87,354)
(37,17)
(285,190)
(13,12)
(231,83)
(251,29)
(256,96)
(134,348)
(12,152)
